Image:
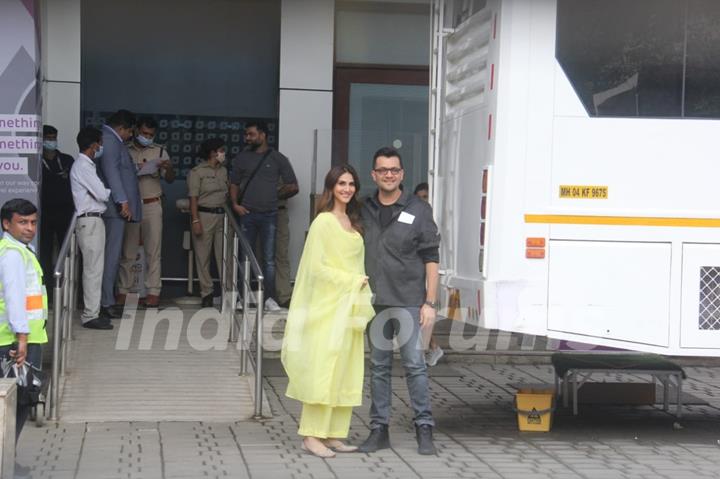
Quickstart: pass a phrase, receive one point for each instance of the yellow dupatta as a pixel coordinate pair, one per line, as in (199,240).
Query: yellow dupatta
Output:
(323,346)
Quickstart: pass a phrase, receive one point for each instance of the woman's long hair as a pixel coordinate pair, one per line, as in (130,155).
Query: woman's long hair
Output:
(326,202)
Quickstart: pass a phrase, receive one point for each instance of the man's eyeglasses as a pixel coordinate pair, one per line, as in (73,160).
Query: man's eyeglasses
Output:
(385,171)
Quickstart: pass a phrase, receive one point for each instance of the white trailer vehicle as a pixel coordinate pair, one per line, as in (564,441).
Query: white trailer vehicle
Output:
(575,165)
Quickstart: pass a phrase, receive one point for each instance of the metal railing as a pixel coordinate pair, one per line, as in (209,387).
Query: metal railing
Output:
(64,302)
(237,253)
(237,256)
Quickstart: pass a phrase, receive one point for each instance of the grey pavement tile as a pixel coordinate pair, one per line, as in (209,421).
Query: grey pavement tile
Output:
(53,475)
(476,436)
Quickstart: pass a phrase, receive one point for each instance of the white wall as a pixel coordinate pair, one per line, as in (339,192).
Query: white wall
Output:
(306,78)
(60,52)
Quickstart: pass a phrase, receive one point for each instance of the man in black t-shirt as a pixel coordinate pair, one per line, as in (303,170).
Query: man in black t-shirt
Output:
(254,193)
(56,202)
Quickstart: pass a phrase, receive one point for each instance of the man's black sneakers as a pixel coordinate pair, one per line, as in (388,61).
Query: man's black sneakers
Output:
(379,438)
(424,437)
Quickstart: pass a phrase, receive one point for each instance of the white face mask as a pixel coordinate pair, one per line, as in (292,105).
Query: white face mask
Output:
(220,157)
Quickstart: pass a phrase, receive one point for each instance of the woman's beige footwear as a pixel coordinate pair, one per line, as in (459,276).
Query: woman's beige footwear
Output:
(339,446)
(326,454)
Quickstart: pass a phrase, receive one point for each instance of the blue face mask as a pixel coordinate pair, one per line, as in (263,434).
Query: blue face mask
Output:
(144,141)
(50,145)
(99,153)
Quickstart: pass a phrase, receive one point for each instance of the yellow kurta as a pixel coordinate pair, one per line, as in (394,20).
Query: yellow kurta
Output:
(323,346)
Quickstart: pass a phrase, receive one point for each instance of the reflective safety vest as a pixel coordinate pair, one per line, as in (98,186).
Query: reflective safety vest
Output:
(36,303)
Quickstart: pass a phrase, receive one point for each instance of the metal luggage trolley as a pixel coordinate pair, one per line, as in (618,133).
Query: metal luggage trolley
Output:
(572,370)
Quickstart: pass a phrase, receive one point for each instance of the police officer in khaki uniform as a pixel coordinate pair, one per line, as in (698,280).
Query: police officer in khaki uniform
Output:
(153,162)
(208,188)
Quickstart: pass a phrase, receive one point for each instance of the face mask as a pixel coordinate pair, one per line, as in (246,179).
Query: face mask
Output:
(220,157)
(50,145)
(144,141)
(99,153)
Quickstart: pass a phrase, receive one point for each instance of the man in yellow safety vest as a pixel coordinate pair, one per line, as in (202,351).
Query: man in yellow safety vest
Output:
(23,299)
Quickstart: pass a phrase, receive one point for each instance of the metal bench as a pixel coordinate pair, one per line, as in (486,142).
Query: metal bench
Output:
(572,370)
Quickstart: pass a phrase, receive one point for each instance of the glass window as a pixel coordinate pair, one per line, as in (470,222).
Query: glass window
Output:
(702,72)
(645,58)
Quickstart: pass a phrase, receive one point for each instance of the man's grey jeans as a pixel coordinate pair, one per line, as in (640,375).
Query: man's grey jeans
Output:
(403,323)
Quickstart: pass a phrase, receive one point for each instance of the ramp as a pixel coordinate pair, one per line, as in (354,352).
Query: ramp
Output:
(180,368)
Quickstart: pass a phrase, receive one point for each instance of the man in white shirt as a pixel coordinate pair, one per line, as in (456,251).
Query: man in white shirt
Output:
(90,196)
(23,299)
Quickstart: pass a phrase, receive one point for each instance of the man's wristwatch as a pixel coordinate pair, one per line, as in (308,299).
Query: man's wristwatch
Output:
(432,304)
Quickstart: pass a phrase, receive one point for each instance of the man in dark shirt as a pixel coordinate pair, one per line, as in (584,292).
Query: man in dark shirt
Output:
(56,202)
(401,261)
(254,192)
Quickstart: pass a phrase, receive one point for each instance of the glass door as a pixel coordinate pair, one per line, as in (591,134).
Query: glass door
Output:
(388,115)
(376,107)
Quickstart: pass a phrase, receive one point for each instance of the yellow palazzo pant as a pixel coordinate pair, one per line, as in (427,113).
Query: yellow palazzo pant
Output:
(318,420)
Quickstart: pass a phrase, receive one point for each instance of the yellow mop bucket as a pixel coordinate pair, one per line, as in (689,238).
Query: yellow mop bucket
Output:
(534,407)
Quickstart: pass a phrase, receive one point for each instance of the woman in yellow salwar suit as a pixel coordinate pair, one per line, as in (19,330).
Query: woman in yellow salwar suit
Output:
(323,347)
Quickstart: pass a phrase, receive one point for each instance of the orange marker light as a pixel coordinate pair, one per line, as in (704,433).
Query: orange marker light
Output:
(532,253)
(535,242)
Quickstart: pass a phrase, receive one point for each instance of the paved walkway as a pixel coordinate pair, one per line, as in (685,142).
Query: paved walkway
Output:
(476,436)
